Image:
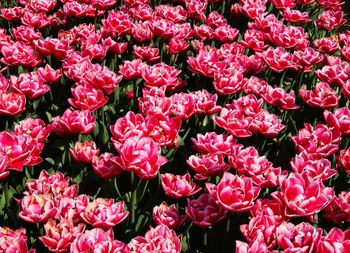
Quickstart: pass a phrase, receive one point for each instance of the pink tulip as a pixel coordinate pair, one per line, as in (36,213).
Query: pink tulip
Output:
(141,156)
(176,186)
(59,236)
(12,103)
(73,122)
(204,212)
(87,98)
(84,152)
(96,240)
(168,215)
(300,238)
(207,165)
(37,208)
(101,213)
(234,193)
(106,166)
(304,196)
(336,241)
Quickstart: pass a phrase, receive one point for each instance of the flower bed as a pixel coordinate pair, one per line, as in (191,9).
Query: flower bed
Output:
(174,126)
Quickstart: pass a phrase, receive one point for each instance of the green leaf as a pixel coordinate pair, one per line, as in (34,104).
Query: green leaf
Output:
(103,133)
(141,189)
(50,160)
(142,221)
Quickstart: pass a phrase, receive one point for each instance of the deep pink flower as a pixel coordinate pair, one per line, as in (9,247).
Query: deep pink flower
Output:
(253,247)
(254,39)
(131,70)
(101,77)
(177,45)
(26,34)
(204,212)
(234,122)
(334,75)
(344,160)
(164,130)
(59,236)
(338,211)
(228,81)
(339,120)
(283,4)
(103,4)
(87,98)
(14,241)
(32,85)
(295,16)
(176,186)
(233,192)
(196,8)
(73,122)
(207,165)
(84,152)
(326,45)
(289,37)
(176,13)
(336,241)
(131,125)
(306,59)
(16,148)
(141,31)
(213,143)
(163,239)
(344,43)
(278,59)
(167,215)
(314,168)
(330,20)
(20,54)
(101,212)
(254,9)
(267,124)
(205,102)
(183,105)
(301,238)
(214,19)
(266,216)
(117,23)
(225,34)
(247,162)
(319,141)
(141,156)
(12,13)
(96,240)
(331,4)
(106,166)
(206,63)
(3,166)
(322,96)
(49,74)
(147,53)
(56,185)
(162,75)
(346,89)
(53,46)
(279,97)
(12,103)
(37,208)
(304,196)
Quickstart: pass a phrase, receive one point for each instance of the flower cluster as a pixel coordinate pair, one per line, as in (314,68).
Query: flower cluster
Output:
(140,126)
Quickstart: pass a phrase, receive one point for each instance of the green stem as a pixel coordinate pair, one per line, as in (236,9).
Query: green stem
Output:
(205,240)
(133,201)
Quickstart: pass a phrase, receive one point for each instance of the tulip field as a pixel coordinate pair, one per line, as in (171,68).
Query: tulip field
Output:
(167,126)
